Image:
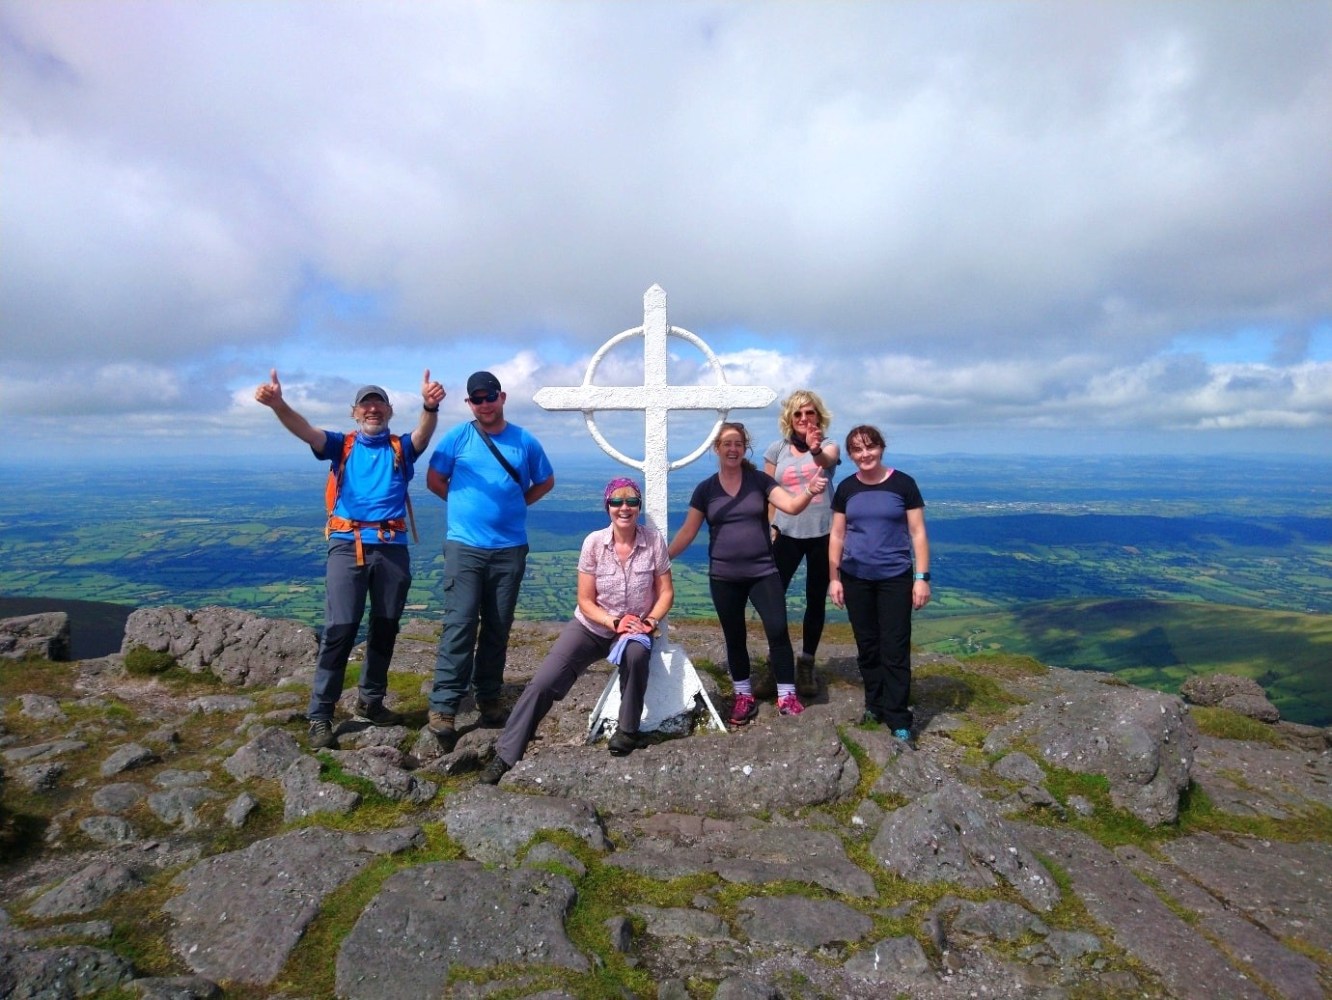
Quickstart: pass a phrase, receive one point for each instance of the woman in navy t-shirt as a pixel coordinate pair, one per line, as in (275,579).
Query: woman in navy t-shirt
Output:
(879,570)
(741,568)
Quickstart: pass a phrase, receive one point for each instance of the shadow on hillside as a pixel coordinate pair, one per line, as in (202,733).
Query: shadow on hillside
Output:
(95,628)
(931,693)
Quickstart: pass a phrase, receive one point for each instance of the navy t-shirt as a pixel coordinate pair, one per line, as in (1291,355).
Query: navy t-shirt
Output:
(739,542)
(878,544)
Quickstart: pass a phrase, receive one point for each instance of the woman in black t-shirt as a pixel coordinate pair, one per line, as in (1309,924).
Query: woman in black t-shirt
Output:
(879,570)
(741,568)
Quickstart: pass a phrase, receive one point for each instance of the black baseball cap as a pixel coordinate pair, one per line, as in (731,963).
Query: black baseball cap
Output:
(482,382)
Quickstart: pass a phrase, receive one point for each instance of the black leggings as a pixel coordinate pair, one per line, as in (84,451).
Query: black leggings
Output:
(880,613)
(768,596)
(788,552)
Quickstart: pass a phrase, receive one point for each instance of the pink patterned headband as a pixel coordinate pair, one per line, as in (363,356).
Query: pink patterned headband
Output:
(619,483)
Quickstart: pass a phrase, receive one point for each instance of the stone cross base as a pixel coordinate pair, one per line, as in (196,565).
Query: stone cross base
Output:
(674,689)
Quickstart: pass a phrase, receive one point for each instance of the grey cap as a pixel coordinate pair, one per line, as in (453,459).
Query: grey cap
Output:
(370,390)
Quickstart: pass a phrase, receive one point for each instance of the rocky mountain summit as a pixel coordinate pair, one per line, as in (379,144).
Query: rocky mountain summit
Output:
(165,833)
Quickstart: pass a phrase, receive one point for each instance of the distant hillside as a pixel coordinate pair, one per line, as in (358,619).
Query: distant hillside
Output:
(1158,644)
(95,628)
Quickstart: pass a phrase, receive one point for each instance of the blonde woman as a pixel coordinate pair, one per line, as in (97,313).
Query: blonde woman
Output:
(795,460)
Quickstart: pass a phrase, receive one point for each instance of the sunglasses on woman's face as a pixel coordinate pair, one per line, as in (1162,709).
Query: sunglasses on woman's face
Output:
(622,501)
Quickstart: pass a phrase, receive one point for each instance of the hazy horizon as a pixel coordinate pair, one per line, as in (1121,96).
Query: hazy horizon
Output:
(590,459)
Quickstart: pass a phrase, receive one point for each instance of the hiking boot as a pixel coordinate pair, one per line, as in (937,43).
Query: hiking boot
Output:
(869,719)
(492,772)
(622,744)
(493,714)
(807,682)
(441,727)
(789,705)
(743,710)
(376,714)
(902,734)
(321,735)
(761,683)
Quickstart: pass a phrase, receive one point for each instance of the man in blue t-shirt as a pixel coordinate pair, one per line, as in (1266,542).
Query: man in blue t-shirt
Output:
(489,472)
(367,544)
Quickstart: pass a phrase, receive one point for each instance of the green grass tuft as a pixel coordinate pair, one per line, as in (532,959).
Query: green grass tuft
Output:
(1007,664)
(955,687)
(1225,724)
(968,735)
(141,661)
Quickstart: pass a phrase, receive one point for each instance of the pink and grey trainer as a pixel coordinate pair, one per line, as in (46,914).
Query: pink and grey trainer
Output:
(744,710)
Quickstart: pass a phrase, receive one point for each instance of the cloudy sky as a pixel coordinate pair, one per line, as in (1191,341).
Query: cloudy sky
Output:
(985,227)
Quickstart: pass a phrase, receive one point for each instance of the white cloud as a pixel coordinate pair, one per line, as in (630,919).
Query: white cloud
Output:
(932,212)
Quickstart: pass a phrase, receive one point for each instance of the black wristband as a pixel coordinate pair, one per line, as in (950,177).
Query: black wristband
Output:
(430,409)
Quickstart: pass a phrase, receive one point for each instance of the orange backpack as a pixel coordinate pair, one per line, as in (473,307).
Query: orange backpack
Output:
(334,487)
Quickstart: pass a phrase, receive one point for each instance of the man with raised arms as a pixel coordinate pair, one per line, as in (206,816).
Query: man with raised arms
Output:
(367,542)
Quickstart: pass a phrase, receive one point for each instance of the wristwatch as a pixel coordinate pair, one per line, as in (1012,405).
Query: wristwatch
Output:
(923,576)
(652,622)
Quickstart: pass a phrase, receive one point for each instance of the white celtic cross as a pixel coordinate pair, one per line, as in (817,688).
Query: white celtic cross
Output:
(673,676)
(656,397)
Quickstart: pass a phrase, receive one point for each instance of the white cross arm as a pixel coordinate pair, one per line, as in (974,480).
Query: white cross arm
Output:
(639,397)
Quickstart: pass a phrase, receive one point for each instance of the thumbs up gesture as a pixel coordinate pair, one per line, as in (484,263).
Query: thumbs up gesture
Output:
(432,393)
(270,392)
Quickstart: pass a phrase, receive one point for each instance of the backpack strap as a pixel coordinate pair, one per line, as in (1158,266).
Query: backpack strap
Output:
(399,463)
(333,487)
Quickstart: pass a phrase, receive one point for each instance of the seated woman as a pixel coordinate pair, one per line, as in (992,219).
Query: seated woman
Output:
(624,588)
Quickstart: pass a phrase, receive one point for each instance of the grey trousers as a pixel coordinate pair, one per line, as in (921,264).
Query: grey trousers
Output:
(480,597)
(385,579)
(574,651)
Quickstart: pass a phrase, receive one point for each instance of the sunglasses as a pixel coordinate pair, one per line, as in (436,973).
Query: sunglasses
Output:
(621,501)
(478,399)
(807,413)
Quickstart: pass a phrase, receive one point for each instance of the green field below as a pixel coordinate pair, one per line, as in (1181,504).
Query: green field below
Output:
(1157,644)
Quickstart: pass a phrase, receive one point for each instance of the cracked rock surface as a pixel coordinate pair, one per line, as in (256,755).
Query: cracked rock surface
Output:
(800,856)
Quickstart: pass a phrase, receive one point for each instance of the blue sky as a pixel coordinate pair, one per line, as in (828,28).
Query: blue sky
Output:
(989,227)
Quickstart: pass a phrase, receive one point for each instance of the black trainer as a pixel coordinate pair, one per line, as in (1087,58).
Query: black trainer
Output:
(621,744)
(376,714)
(492,772)
(493,714)
(322,736)
(807,681)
